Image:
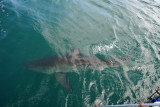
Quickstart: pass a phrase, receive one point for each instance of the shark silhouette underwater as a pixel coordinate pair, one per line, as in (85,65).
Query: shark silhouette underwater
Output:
(60,65)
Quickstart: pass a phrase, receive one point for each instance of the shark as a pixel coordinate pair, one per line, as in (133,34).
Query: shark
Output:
(61,65)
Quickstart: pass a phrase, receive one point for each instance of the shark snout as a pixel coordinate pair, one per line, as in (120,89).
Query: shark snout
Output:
(28,65)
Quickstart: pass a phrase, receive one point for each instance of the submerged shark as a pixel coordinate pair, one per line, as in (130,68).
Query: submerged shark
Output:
(60,65)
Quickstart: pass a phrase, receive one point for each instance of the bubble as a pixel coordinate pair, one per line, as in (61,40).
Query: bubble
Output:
(2,6)
(3,34)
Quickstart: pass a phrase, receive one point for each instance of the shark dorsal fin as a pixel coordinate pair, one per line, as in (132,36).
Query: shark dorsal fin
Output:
(75,52)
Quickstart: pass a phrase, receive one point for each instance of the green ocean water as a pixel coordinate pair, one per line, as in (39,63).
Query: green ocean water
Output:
(31,29)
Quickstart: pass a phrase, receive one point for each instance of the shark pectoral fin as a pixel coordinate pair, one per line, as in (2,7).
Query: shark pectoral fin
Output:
(62,79)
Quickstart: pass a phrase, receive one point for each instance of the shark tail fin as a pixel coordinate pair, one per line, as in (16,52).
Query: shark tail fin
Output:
(130,55)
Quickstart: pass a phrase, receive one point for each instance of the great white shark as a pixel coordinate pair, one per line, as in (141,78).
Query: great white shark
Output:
(61,65)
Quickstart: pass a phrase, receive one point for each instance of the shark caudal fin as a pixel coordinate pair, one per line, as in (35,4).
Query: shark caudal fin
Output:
(62,79)
(130,55)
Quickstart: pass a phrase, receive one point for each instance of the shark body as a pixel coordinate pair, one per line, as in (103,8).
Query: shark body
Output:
(60,66)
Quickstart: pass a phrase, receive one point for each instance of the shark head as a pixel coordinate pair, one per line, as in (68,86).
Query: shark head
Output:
(48,63)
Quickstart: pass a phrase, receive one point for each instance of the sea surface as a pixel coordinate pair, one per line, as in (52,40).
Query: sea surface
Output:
(108,29)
